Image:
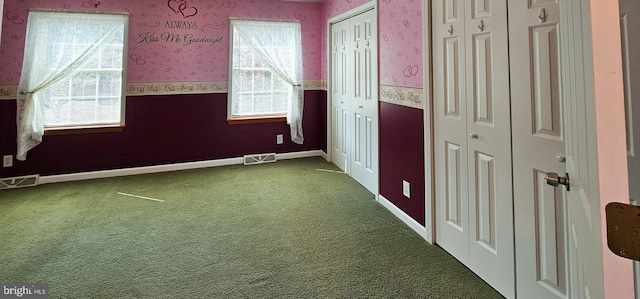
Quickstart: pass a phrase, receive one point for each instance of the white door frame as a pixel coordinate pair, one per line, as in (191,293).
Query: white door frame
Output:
(429,169)
(341,17)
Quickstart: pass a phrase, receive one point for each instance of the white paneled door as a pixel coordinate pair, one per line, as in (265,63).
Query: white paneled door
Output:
(340,38)
(364,103)
(355,98)
(474,210)
(538,147)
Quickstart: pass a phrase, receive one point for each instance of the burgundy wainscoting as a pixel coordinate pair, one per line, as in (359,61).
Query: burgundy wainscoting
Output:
(162,130)
(402,157)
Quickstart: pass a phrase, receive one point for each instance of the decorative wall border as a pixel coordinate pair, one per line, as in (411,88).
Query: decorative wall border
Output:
(170,88)
(404,96)
(8,92)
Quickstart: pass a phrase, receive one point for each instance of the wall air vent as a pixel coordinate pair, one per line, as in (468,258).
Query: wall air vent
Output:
(259,159)
(19,182)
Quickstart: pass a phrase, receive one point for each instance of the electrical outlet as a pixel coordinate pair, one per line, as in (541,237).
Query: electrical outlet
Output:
(279,139)
(7,160)
(406,189)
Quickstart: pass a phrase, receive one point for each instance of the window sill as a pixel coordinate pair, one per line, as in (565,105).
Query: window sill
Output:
(256,119)
(55,131)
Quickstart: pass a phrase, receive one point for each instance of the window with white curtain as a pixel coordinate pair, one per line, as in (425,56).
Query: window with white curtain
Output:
(92,93)
(257,47)
(73,74)
(265,76)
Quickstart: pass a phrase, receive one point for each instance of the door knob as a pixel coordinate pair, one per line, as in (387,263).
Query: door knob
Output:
(555,180)
(473,136)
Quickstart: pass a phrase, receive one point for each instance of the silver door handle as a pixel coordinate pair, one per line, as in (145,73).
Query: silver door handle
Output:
(555,180)
(473,136)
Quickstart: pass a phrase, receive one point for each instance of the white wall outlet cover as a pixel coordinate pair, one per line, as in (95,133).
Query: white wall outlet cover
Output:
(279,139)
(7,160)
(406,189)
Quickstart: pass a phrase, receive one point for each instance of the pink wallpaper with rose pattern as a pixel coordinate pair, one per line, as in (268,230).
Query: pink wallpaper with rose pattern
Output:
(170,40)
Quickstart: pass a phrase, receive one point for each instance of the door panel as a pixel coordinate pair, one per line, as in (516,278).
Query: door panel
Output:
(481,8)
(453,183)
(485,201)
(450,144)
(540,215)
(491,207)
(473,137)
(482,75)
(550,268)
(339,95)
(452,77)
(364,105)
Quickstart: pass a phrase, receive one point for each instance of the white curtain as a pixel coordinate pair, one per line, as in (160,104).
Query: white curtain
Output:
(278,44)
(57,46)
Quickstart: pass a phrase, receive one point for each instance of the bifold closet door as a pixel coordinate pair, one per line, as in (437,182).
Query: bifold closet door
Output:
(355,98)
(341,105)
(364,100)
(540,219)
(473,138)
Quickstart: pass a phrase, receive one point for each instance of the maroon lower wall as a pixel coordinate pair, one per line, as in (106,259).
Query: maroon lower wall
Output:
(402,157)
(162,130)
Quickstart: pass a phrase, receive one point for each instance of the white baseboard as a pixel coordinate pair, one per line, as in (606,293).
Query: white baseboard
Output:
(417,227)
(164,168)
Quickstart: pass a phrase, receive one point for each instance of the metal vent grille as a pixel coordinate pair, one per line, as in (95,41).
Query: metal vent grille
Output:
(259,159)
(19,182)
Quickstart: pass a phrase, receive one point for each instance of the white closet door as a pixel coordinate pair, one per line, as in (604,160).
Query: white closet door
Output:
(340,73)
(473,138)
(450,115)
(538,148)
(489,147)
(364,101)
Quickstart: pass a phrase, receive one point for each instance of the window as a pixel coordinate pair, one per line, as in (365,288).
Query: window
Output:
(82,57)
(73,74)
(266,68)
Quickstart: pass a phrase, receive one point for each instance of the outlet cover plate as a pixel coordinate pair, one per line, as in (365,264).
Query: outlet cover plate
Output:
(279,139)
(406,189)
(7,160)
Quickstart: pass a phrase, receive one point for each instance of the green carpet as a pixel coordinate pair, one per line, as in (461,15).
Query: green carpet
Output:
(282,229)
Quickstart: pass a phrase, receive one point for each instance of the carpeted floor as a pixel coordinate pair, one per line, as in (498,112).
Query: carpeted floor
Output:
(282,229)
